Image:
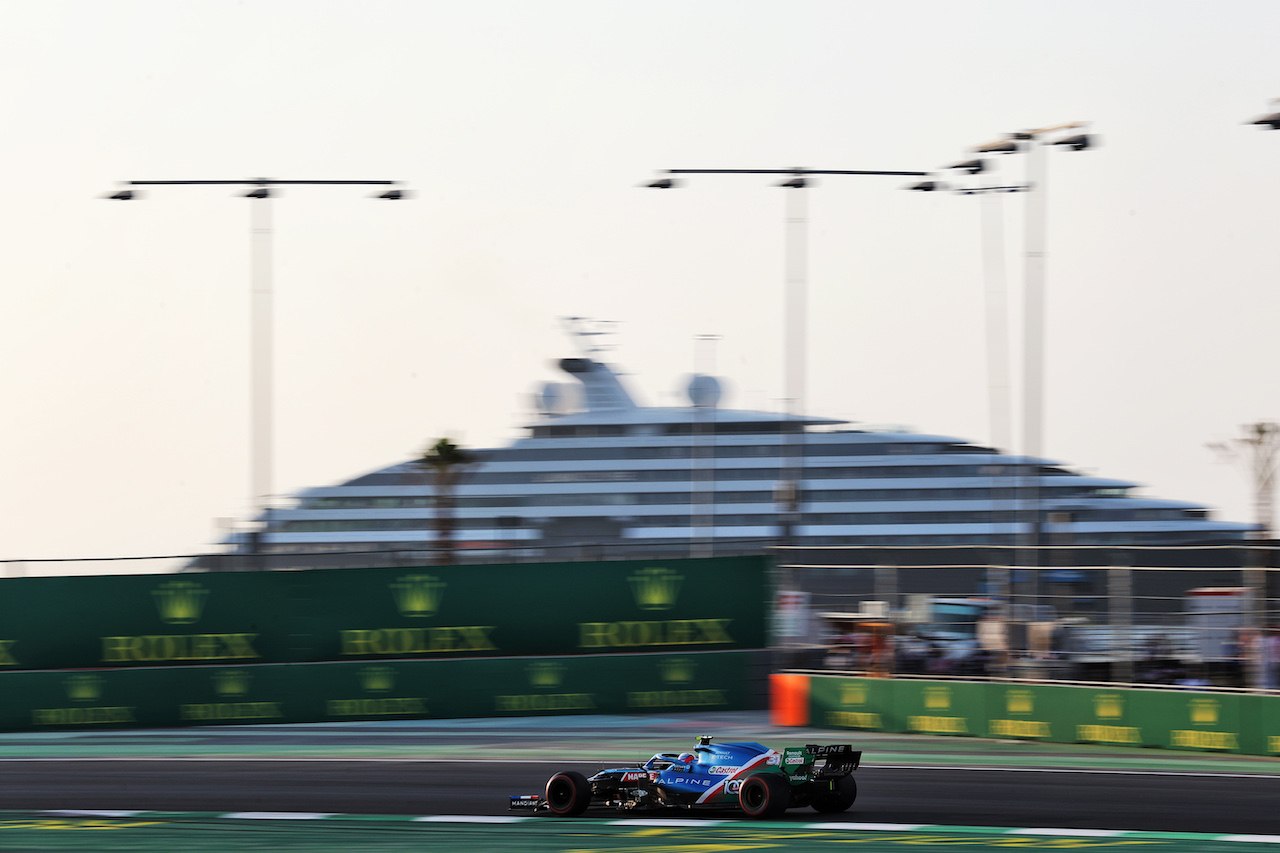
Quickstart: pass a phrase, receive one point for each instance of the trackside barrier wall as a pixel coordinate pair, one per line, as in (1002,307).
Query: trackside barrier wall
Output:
(371,690)
(1173,719)
(235,619)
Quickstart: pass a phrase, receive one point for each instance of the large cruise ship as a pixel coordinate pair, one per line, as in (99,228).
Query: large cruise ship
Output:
(615,478)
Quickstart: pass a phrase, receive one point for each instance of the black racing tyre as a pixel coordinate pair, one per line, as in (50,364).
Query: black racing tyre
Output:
(764,795)
(834,796)
(568,793)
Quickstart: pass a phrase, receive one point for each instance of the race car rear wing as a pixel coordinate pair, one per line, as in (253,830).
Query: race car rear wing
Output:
(833,760)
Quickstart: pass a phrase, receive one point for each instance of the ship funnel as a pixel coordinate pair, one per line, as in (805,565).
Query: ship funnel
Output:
(603,389)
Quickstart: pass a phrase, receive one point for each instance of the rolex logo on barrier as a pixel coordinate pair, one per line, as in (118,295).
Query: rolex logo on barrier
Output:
(853,694)
(180,602)
(232,689)
(1108,706)
(377,679)
(231,682)
(83,688)
(1204,712)
(418,596)
(545,673)
(655,588)
(937,718)
(677,670)
(1019,701)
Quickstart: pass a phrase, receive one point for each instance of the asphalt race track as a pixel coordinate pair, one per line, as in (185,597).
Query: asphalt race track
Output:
(1153,801)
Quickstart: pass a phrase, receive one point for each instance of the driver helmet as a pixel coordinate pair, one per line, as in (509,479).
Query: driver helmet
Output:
(687,757)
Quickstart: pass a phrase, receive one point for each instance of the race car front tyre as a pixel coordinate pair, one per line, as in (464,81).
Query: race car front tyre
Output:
(764,795)
(834,796)
(568,793)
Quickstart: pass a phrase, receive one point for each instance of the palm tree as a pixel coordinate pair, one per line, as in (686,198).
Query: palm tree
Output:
(445,463)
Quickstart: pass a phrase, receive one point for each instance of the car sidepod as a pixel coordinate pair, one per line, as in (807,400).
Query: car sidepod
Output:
(723,782)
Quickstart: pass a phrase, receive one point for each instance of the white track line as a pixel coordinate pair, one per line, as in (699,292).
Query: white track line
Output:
(1092,833)
(93,813)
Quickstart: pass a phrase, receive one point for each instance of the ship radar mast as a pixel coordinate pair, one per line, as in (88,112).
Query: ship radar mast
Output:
(591,337)
(604,391)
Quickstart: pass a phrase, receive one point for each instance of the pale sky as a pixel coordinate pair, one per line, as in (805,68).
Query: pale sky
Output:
(524,129)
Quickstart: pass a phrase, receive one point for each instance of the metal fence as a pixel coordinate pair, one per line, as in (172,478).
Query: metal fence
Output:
(1197,616)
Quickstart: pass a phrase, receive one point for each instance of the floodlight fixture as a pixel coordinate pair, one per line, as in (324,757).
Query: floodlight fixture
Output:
(1076,143)
(971,167)
(1003,146)
(1268,122)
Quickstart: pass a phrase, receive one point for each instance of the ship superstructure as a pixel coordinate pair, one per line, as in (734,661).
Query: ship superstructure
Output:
(624,479)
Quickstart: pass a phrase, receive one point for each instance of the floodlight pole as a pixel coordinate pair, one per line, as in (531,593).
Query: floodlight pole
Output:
(261,344)
(1000,426)
(1264,444)
(796,223)
(1033,334)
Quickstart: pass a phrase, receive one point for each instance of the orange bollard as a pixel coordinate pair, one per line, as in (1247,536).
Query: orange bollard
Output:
(788,699)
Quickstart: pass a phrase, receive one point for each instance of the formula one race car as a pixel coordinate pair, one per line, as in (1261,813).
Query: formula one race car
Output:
(761,781)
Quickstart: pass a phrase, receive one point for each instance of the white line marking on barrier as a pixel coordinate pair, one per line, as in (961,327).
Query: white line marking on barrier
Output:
(875,827)
(1261,774)
(1088,771)
(1257,839)
(671,821)
(462,818)
(593,762)
(279,815)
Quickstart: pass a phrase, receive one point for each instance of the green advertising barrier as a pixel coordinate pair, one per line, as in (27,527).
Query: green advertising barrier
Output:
(938,708)
(325,692)
(1172,719)
(1181,721)
(1268,716)
(854,703)
(371,614)
(1028,712)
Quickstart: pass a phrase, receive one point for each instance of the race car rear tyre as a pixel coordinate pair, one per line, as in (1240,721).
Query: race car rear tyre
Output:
(764,795)
(836,798)
(568,793)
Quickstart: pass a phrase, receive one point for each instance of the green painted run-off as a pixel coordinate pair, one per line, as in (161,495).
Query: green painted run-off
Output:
(153,832)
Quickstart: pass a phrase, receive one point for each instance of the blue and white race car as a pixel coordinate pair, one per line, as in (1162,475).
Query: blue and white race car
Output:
(761,781)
